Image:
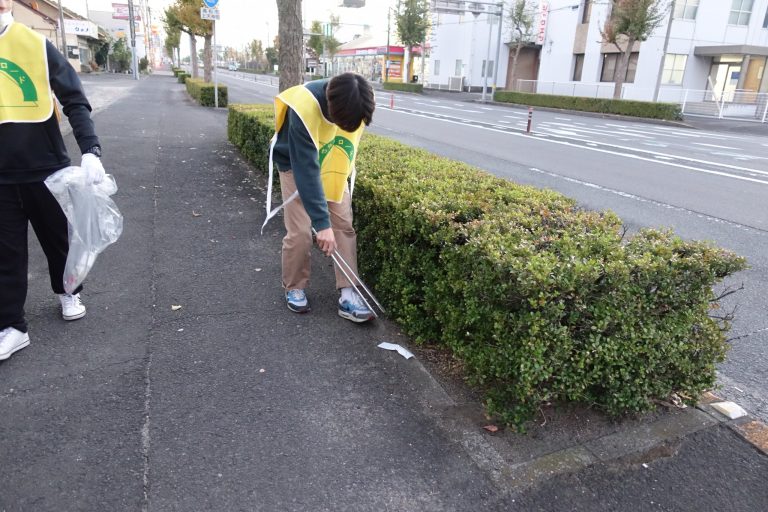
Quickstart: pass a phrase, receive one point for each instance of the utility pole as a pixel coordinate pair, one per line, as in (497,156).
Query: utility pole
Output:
(132,24)
(61,30)
(386,63)
(498,50)
(664,52)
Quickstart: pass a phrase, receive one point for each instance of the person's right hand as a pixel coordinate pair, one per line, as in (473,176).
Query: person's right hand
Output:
(326,241)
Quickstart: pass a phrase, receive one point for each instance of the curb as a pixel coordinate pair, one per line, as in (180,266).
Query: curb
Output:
(639,444)
(617,117)
(752,430)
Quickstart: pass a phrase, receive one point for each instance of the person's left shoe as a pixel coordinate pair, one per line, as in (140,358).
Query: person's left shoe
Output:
(355,310)
(72,308)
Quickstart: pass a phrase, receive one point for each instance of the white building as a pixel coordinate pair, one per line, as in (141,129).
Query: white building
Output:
(463,46)
(719,46)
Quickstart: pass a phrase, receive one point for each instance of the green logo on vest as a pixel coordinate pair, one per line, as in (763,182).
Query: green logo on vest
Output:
(341,143)
(20,78)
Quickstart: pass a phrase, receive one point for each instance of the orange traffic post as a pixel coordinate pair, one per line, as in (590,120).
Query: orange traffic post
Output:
(530,120)
(392,101)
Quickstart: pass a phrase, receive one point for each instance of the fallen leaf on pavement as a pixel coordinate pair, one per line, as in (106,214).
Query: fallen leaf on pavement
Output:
(174,307)
(491,428)
(195,214)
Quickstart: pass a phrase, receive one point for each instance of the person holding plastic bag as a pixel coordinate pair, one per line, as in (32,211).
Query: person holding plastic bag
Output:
(31,149)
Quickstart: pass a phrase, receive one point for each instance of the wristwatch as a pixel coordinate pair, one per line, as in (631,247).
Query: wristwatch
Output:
(96,150)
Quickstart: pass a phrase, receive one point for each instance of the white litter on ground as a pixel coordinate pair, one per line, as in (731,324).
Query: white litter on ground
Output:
(393,346)
(729,409)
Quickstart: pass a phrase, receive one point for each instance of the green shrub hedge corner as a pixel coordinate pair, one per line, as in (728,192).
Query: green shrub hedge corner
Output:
(182,77)
(250,128)
(399,86)
(666,111)
(541,300)
(204,92)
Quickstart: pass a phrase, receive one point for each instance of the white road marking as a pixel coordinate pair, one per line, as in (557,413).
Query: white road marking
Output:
(563,118)
(465,123)
(663,157)
(459,109)
(641,199)
(517,114)
(713,145)
(592,130)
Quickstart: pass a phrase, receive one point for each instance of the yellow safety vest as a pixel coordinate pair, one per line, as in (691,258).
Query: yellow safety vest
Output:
(336,148)
(25,93)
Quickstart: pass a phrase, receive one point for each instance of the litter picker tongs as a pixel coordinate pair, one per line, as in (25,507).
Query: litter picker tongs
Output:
(350,274)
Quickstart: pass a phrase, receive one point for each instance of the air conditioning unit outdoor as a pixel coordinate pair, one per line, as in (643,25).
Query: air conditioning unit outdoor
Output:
(456,83)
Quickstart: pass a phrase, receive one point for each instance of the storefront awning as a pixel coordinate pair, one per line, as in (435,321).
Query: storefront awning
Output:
(735,49)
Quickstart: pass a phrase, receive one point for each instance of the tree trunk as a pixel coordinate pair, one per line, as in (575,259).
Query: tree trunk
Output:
(513,71)
(193,54)
(291,37)
(621,70)
(207,60)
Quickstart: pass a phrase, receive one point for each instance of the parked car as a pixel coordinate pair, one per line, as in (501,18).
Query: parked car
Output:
(233,66)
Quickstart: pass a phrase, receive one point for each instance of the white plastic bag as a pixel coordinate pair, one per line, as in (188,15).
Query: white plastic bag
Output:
(93,218)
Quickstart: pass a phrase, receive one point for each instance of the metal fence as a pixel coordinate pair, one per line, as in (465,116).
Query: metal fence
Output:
(737,104)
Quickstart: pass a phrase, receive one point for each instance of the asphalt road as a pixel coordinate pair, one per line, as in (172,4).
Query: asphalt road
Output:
(703,184)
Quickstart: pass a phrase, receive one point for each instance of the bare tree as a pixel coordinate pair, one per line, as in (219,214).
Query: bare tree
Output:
(521,19)
(291,36)
(631,21)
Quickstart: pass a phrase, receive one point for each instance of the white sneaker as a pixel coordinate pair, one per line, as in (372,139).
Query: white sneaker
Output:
(12,340)
(72,307)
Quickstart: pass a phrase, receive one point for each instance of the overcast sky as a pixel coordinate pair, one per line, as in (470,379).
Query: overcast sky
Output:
(245,20)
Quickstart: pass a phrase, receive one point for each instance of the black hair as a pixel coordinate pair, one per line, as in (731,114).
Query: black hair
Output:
(350,101)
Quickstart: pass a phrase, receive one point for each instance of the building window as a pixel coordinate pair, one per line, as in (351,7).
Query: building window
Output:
(458,68)
(765,23)
(489,71)
(741,10)
(437,68)
(586,11)
(674,68)
(611,62)
(686,9)
(578,66)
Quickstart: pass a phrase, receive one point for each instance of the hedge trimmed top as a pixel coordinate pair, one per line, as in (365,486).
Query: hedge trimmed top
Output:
(647,109)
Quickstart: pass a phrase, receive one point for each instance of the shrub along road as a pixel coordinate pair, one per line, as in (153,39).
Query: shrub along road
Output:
(705,185)
(144,406)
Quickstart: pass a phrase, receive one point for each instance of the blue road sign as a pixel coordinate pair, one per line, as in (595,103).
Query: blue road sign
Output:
(210,3)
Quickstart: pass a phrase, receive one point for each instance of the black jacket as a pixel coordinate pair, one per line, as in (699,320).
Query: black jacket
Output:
(30,152)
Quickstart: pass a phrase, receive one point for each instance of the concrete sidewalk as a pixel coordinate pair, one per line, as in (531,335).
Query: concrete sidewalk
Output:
(231,402)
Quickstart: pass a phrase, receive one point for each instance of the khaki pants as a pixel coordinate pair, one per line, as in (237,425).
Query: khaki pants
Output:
(297,243)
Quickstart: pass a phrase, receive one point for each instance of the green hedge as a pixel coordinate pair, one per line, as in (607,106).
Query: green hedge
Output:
(541,300)
(204,92)
(666,111)
(182,77)
(399,86)
(250,128)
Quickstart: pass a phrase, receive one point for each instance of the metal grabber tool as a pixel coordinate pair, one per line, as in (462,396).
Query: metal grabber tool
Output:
(347,270)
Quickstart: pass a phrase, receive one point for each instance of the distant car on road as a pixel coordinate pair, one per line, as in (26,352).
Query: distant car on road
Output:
(233,66)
